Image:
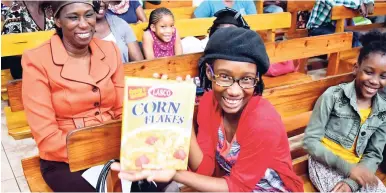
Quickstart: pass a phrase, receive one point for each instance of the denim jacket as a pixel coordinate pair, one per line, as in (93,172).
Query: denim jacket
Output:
(336,117)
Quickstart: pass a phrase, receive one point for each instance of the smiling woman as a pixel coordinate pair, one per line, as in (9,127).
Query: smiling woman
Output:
(69,82)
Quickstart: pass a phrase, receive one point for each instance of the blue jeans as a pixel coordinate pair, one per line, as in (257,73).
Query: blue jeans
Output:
(330,29)
(272,9)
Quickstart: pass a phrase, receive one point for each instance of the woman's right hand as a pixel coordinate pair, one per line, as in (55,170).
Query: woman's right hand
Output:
(363,176)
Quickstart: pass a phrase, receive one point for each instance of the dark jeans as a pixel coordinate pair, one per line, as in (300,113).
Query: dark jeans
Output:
(14,64)
(60,179)
(330,29)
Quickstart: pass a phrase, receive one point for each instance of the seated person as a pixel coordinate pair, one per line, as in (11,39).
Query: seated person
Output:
(24,17)
(129,10)
(112,28)
(209,7)
(242,145)
(320,22)
(346,133)
(70,82)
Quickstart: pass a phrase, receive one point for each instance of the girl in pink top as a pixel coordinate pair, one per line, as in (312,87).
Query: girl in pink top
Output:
(161,38)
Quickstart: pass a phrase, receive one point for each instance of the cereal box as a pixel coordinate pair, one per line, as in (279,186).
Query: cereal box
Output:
(157,123)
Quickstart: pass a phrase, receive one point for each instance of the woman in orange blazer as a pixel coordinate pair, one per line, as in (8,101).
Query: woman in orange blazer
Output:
(69,82)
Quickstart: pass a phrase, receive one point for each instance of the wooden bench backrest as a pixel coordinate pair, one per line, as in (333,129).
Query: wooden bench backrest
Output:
(15,44)
(178,12)
(294,6)
(340,14)
(169,4)
(96,145)
(187,64)
(200,26)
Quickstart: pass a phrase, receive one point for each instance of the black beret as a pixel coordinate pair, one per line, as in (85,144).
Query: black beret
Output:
(237,44)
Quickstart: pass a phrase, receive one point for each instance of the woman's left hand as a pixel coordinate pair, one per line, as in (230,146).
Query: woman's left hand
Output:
(149,175)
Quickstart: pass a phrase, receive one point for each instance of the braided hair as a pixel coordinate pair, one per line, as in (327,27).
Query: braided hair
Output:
(157,14)
(373,42)
(206,84)
(227,16)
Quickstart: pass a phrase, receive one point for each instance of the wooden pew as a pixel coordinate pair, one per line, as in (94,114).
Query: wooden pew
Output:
(15,44)
(187,64)
(183,12)
(200,26)
(96,145)
(294,6)
(340,14)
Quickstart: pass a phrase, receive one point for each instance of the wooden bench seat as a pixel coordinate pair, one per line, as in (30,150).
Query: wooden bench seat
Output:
(31,169)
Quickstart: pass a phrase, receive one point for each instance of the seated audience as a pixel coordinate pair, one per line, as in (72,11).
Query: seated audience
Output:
(112,28)
(241,145)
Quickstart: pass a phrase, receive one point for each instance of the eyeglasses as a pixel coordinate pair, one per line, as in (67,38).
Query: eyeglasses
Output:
(224,80)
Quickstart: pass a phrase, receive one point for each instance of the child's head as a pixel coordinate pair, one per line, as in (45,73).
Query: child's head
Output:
(227,17)
(161,22)
(234,54)
(370,69)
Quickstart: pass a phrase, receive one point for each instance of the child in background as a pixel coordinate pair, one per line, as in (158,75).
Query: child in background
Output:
(161,38)
(347,131)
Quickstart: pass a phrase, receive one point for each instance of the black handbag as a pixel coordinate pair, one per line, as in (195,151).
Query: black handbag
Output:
(139,186)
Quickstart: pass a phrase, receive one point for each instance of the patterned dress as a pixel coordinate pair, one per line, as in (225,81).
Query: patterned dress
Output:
(226,156)
(17,19)
(163,49)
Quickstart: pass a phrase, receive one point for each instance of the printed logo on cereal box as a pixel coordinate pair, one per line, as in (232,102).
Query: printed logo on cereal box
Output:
(161,92)
(136,92)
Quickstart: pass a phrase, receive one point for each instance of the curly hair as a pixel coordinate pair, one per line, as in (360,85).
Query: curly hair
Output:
(372,42)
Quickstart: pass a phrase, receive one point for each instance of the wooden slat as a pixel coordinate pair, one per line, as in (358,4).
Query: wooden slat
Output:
(349,54)
(169,4)
(5,78)
(184,12)
(308,47)
(341,12)
(93,145)
(299,98)
(200,26)
(296,5)
(296,124)
(15,44)
(365,27)
(300,165)
(14,94)
(31,169)
(187,64)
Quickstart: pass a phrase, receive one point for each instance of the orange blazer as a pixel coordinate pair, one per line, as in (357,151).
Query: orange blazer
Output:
(59,96)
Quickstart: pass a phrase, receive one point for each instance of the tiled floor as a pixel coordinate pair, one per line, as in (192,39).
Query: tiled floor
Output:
(12,152)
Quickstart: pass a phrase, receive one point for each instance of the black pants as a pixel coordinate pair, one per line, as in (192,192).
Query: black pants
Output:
(14,64)
(60,179)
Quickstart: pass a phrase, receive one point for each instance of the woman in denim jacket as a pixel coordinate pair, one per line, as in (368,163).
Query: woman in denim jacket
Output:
(347,131)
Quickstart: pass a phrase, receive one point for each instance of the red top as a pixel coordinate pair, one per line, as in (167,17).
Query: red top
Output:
(263,144)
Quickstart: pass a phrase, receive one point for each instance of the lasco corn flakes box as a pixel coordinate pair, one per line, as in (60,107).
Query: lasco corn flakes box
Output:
(157,123)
